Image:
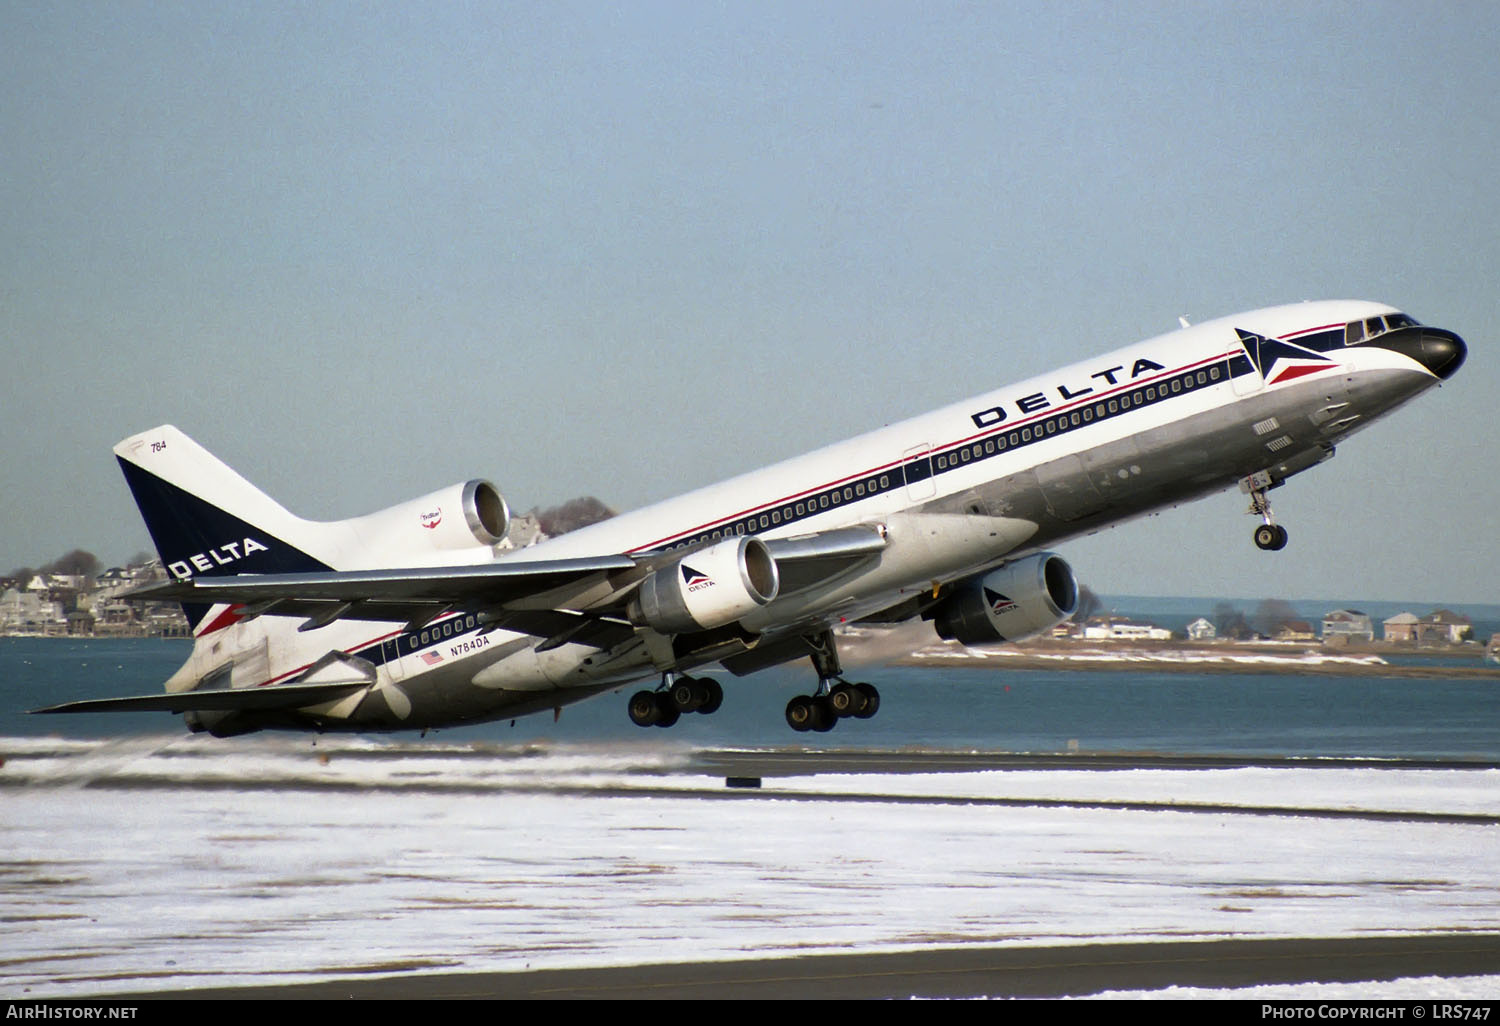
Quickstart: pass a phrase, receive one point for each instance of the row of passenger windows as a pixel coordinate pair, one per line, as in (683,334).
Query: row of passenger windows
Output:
(957,457)
(1077,418)
(437,632)
(793,511)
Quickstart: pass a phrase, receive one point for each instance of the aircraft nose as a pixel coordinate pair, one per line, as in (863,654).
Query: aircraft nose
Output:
(1441,352)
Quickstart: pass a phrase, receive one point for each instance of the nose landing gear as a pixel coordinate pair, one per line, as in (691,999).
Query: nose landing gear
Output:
(1269,536)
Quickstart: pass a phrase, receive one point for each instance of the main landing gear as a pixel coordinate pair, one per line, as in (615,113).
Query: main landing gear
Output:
(1270,535)
(835,698)
(675,696)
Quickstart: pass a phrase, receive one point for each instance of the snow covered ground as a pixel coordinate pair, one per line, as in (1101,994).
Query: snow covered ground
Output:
(168,864)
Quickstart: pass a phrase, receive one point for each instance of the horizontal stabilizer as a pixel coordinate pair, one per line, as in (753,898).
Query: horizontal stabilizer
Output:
(284,696)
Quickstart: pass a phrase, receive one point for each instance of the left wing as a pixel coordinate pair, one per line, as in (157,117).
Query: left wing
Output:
(562,600)
(414,595)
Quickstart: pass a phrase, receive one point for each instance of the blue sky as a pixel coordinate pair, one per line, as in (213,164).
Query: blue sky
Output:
(362,251)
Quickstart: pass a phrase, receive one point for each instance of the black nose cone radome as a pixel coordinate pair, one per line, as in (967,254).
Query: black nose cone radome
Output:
(1441,352)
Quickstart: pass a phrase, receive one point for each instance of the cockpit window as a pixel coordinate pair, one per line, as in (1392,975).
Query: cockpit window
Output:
(1358,331)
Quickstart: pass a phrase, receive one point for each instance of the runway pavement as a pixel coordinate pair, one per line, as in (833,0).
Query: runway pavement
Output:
(1041,972)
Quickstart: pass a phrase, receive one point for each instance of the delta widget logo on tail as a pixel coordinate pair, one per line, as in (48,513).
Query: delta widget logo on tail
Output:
(1288,361)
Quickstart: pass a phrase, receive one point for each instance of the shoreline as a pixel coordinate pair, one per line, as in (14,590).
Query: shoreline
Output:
(1221,658)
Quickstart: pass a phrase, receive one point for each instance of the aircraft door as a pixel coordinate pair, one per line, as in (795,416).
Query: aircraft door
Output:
(390,651)
(917,466)
(1244,375)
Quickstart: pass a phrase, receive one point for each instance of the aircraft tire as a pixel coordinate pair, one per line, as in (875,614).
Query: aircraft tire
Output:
(715,695)
(1266,536)
(799,713)
(845,700)
(688,694)
(643,709)
(666,710)
(872,700)
(824,718)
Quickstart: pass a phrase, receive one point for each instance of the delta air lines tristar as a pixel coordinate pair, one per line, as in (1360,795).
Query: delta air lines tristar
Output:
(415,617)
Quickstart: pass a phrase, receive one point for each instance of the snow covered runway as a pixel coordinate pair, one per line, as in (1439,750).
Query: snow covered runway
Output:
(155,864)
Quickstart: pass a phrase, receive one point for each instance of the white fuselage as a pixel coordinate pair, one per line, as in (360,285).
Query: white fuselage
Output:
(956,490)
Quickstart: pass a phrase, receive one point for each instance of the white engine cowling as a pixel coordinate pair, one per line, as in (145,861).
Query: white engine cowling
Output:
(708,588)
(1018,601)
(461,516)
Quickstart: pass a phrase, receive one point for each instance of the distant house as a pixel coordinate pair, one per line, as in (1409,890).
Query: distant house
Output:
(1295,630)
(1106,628)
(1401,627)
(1202,629)
(1348,625)
(30,612)
(1443,626)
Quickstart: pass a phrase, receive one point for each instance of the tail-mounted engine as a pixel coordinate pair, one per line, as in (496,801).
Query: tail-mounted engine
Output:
(461,516)
(1018,601)
(707,588)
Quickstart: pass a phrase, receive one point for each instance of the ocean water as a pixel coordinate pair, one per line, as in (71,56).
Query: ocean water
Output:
(983,708)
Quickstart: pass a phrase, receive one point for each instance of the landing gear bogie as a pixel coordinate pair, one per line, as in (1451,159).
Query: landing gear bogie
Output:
(823,711)
(665,706)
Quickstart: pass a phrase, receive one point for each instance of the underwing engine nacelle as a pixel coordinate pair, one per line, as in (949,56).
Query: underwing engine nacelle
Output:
(1018,601)
(707,588)
(459,517)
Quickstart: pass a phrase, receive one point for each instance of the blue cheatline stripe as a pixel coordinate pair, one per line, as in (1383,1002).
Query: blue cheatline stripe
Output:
(987,444)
